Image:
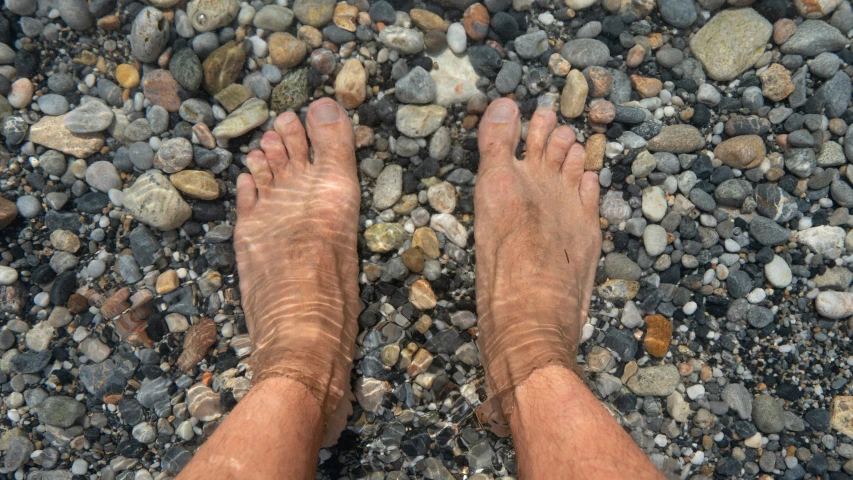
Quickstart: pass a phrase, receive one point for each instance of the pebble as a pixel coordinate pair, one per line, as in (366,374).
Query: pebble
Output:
(350,85)
(677,139)
(767,415)
(149,35)
(585,52)
(654,381)
(154,201)
(731,42)
(834,305)
(91,117)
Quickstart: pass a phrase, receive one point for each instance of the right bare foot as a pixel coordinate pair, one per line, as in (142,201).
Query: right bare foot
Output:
(538,243)
(295,239)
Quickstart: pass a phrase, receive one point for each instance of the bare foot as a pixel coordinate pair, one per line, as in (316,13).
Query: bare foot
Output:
(538,243)
(295,240)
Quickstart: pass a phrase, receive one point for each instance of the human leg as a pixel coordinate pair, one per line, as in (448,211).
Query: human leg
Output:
(295,239)
(538,245)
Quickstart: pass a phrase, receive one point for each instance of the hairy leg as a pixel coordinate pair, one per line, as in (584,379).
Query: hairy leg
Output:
(274,432)
(538,245)
(561,431)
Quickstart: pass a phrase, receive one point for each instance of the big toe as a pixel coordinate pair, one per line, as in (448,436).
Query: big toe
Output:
(331,134)
(500,131)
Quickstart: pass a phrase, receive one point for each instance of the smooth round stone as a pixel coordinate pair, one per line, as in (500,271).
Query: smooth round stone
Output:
(103,176)
(79,467)
(94,116)
(28,206)
(22,93)
(834,305)
(274,18)
(53,104)
(654,240)
(8,275)
(75,14)
(96,268)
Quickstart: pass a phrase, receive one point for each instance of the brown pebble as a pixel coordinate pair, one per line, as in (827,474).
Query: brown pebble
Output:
(602,112)
(8,212)
(838,127)
(600,81)
(198,339)
(426,20)
(635,56)
(77,303)
(363,136)
(476,21)
(645,86)
(776,83)
(595,152)
(470,121)
(413,258)
(435,41)
(161,89)
(110,23)
(783,29)
(116,304)
(658,335)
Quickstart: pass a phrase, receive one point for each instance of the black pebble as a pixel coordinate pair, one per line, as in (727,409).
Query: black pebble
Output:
(63,287)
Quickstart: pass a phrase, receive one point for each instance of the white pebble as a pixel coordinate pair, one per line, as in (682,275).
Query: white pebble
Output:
(689,308)
(695,391)
(42,299)
(79,467)
(8,275)
(698,458)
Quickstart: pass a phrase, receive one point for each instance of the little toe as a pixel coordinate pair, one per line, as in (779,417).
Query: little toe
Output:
(573,165)
(499,133)
(276,154)
(293,133)
(247,193)
(260,169)
(558,147)
(331,134)
(541,125)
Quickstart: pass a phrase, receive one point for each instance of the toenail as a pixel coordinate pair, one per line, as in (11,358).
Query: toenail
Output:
(327,113)
(501,113)
(564,133)
(286,117)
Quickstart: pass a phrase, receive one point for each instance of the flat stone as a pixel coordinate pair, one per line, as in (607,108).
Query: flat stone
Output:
(455,78)
(384,237)
(585,52)
(51,132)
(223,66)
(767,415)
(249,116)
(743,152)
(677,139)
(420,121)
(731,42)
(841,416)
(60,411)
(814,37)
(655,381)
(91,117)
(154,201)
(825,240)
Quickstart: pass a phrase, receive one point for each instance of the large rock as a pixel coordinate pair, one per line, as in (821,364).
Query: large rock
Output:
(223,66)
(50,132)
(455,79)
(814,37)
(91,117)
(154,201)
(834,305)
(420,121)
(731,42)
(744,152)
(149,34)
